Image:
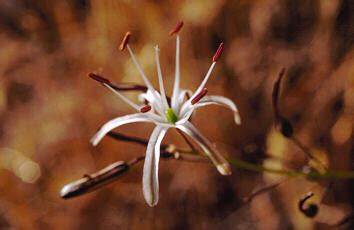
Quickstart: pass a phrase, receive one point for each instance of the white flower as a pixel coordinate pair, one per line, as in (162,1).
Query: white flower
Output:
(165,116)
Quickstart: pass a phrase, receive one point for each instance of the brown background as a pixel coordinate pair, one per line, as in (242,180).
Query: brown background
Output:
(49,110)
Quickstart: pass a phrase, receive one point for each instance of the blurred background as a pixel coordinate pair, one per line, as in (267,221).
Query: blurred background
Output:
(49,110)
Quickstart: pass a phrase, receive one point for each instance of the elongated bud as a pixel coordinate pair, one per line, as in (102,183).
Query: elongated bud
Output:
(276,92)
(218,52)
(145,109)
(99,78)
(94,181)
(224,169)
(199,96)
(125,41)
(177,28)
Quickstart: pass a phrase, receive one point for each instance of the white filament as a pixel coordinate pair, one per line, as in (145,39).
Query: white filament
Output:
(124,98)
(175,93)
(159,74)
(141,72)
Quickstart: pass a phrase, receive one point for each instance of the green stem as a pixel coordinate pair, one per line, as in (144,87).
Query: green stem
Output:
(289,173)
(292,173)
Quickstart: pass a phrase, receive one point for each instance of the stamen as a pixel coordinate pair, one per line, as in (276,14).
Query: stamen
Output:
(125,99)
(125,41)
(125,44)
(215,58)
(140,70)
(205,80)
(199,96)
(145,109)
(99,78)
(174,100)
(177,28)
(155,94)
(218,52)
(159,74)
(129,87)
(120,87)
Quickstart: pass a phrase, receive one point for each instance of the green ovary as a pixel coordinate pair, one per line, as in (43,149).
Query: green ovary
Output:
(171,116)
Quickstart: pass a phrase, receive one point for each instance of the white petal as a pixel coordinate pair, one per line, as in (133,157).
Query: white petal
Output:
(218,160)
(112,124)
(185,117)
(220,100)
(183,93)
(151,166)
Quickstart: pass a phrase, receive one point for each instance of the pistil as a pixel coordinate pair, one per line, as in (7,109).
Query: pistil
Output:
(171,116)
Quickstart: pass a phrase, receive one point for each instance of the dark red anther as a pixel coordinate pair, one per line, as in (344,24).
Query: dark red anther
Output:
(99,78)
(218,52)
(177,28)
(145,109)
(199,96)
(119,87)
(125,41)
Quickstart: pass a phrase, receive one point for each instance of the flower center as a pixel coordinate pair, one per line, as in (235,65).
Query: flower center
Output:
(171,116)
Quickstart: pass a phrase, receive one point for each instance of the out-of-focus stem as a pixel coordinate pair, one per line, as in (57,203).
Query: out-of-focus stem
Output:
(291,173)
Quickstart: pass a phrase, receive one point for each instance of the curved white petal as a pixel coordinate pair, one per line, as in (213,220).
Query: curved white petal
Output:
(220,100)
(151,166)
(183,95)
(186,108)
(218,160)
(114,123)
(185,117)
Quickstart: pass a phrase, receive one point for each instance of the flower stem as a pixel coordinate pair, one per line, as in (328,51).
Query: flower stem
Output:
(292,173)
(328,174)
